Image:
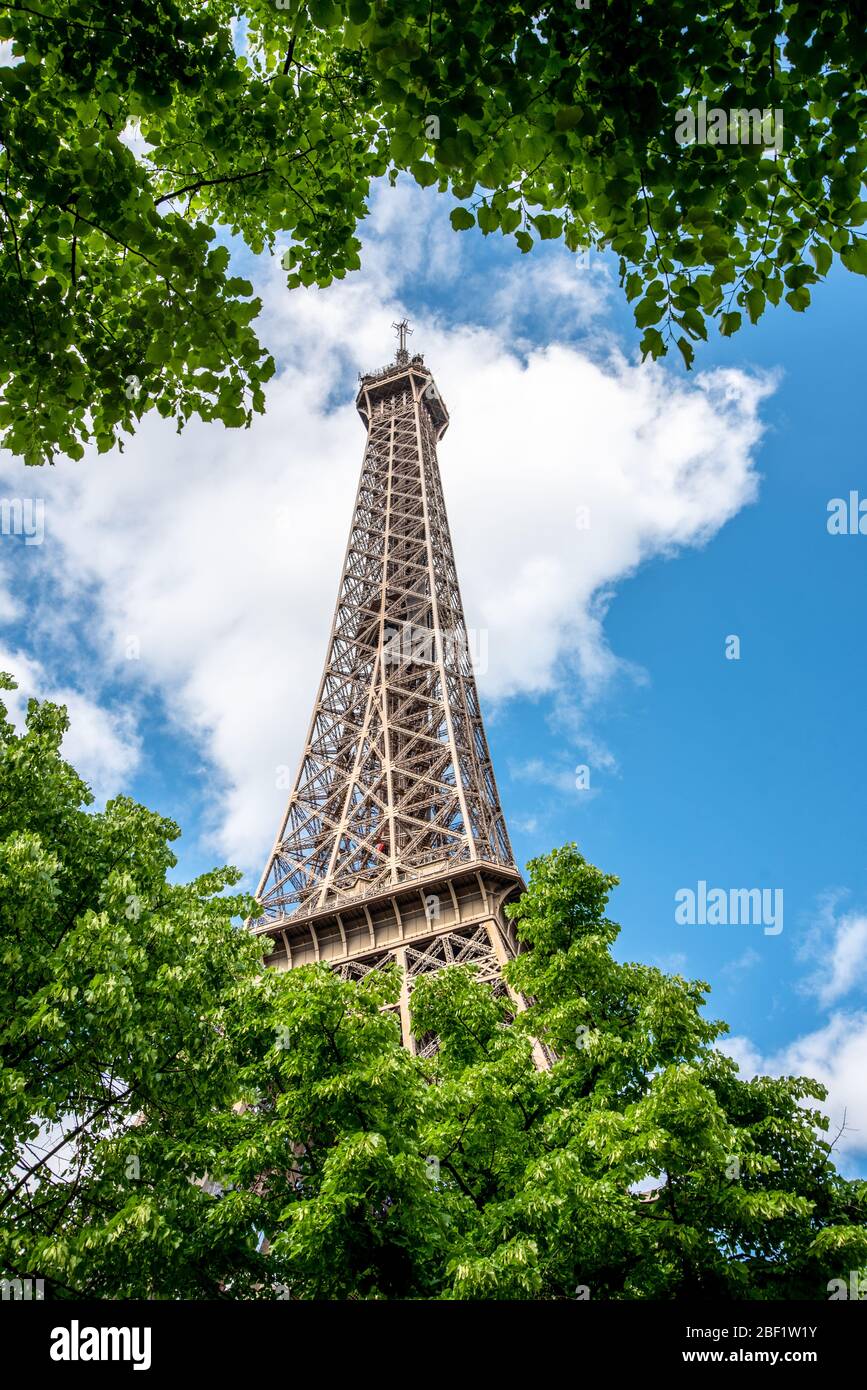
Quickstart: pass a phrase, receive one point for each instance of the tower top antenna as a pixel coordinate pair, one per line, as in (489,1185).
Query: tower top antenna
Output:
(402,329)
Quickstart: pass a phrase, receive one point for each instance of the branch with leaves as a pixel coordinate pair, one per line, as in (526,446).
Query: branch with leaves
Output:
(559,123)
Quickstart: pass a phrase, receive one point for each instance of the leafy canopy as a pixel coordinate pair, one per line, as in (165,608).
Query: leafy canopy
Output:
(135,142)
(142,1047)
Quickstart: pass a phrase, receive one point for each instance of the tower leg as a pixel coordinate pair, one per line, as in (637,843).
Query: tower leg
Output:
(498,946)
(405,1022)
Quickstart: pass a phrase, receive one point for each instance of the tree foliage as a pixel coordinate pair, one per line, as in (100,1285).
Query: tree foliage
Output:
(120,996)
(136,142)
(144,1049)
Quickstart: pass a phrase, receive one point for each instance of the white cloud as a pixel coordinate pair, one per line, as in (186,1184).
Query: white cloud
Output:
(569,289)
(747,1056)
(673,964)
(220,551)
(658,463)
(837,943)
(100,743)
(835,1055)
(528,825)
(560,779)
(744,962)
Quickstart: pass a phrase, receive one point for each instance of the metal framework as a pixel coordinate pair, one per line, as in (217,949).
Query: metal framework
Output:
(393,843)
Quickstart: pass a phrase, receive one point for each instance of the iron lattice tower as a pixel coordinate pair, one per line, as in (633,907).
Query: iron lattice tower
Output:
(394,844)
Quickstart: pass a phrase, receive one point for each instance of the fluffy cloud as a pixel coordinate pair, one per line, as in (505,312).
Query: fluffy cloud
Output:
(101,744)
(836,1055)
(836,945)
(218,553)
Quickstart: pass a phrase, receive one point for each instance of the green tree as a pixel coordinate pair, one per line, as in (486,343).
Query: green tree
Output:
(744,1199)
(143,1046)
(130,138)
(120,998)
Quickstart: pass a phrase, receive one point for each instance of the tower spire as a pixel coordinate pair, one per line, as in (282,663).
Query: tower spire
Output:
(402,329)
(393,844)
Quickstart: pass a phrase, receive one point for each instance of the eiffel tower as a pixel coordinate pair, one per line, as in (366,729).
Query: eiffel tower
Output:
(393,845)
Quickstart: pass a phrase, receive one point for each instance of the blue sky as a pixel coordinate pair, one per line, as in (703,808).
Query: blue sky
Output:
(747,772)
(214,559)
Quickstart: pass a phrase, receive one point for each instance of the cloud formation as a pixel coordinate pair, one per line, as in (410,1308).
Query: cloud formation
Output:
(834,1054)
(101,744)
(836,947)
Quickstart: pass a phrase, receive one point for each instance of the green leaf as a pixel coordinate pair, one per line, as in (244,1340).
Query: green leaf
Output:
(424,173)
(548,226)
(462,219)
(755,302)
(648,311)
(568,117)
(854,256)
(487,218)
(687,352)
(822,255)
(799,299)
(652,344)
(634,285)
